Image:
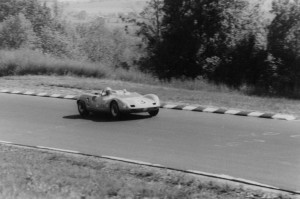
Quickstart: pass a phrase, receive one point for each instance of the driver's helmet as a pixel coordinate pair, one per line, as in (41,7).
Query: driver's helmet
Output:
(107,90)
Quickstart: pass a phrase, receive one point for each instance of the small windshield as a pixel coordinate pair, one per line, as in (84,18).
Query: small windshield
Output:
(124,93)
(120,93)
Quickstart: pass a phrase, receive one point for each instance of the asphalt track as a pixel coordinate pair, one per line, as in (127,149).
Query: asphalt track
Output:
(262,150)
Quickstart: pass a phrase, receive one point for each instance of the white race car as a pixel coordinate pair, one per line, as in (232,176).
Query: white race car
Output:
(116,102)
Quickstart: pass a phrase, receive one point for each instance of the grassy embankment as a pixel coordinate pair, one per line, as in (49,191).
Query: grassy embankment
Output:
(74,76)
(27,173)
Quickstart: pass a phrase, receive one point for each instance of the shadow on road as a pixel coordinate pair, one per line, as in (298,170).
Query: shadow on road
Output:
(105,118)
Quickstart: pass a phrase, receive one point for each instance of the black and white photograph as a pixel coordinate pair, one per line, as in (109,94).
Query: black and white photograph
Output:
(149,99)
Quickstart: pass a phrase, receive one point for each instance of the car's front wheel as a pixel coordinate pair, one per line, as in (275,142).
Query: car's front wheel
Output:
(82,109)
(114,110)
(153,113)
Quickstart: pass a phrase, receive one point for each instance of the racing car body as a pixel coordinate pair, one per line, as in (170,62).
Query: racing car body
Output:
(116,102)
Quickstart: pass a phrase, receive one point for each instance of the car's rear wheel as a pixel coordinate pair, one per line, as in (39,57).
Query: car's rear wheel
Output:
(153,113)
(82,109)
(114,110)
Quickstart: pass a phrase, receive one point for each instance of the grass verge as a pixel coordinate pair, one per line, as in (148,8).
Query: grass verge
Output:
(207,96)
(29,173)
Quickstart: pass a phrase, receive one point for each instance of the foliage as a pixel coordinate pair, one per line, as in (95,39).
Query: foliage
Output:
(10,8)
(147,25)
(17,32)
(225,41)
(30,24)
(192,32)
(35,25)
(111,47)
(39,15)
(95,41)
(24,62)
(53,42)
(284,45)
(197,37)
(150,23)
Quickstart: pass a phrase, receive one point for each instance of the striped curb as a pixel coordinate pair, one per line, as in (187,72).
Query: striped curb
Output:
(39,94)
(159,166)
(229,111)
(173,106)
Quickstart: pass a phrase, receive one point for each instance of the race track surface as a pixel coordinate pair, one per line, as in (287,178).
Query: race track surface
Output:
(262,150)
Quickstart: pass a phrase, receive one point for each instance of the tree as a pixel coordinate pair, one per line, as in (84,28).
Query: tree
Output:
(147,25)
(283,43)
(39,15)
(96,41)
(245,47)
(55,43)
(192,32)
(149,22)
(16,32)
(10,8)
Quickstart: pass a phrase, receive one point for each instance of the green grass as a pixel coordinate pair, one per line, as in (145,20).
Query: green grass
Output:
(28,173)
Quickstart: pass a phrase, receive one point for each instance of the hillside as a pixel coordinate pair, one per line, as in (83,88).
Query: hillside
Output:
(114,7)
(102,7)
(106,7)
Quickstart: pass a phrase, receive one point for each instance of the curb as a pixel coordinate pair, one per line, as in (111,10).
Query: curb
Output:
(229,111)
(257,114)
(141,163)
(41,94)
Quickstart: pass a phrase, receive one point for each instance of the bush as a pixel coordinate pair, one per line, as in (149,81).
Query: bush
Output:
(24,61)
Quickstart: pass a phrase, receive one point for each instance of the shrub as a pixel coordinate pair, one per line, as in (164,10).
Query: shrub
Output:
(24,61)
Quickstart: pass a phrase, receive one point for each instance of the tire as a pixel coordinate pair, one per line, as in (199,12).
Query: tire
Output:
(82,109)
(114,110)
(153,113)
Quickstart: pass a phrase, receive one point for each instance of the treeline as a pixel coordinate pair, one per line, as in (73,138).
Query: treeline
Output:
(42,26)
(235,42)
(232,42)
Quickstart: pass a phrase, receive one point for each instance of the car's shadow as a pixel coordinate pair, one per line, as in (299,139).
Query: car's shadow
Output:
(106,118)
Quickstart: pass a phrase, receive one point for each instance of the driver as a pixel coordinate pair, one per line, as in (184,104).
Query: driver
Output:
(107,91)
